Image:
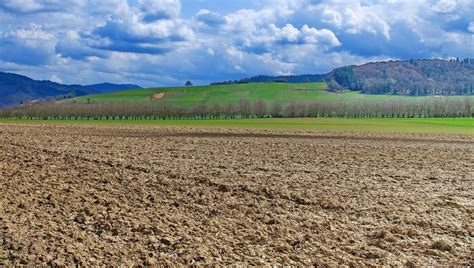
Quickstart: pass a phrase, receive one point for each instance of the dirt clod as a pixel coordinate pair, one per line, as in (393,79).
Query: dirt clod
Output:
(441,245)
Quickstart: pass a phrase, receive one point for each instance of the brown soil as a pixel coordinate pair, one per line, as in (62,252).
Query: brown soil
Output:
(157,96)
(93,195)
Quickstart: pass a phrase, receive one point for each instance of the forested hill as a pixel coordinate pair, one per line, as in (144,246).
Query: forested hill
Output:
(15,89)
(414,77)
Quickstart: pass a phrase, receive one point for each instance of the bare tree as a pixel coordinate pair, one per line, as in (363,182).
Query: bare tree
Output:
(260,108)
(276,109)
(244,109)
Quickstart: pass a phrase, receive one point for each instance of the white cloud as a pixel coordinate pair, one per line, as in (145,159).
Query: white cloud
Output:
(210,18)
(332,17)
(33,6)
(324,37)
(32,32)
(288,33)
(160,9)
(27,45)
(23,6)
(444,6)
(471,27)
(248,20)
(130,31)
(360,19)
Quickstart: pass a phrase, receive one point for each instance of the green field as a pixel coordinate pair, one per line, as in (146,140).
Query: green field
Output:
(392,125)
(233,93)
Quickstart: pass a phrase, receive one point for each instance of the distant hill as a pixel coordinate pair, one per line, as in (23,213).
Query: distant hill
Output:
(414,77)
(108,87)
(16,89)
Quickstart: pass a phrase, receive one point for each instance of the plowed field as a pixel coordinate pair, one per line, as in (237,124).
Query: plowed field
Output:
(108,195)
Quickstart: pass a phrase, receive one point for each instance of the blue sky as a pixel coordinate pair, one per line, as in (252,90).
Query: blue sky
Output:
(166,42)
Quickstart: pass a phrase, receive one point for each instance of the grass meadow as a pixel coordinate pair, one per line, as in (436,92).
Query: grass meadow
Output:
(233,93)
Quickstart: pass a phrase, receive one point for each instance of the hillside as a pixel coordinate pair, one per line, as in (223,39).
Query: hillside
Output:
(415,77)
(232,93)
(229,93)
(16,89)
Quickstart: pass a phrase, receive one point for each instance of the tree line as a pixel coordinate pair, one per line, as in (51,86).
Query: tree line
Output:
(432,108)
(304,78)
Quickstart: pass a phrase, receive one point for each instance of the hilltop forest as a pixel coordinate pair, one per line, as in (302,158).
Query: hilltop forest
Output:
(412,77)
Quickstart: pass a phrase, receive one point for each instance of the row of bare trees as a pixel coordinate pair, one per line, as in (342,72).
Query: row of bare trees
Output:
(245,109)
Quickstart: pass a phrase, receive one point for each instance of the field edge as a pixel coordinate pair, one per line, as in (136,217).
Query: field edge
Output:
(387,125)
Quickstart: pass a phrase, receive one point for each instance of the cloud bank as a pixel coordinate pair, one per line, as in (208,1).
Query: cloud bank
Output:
(151,42)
